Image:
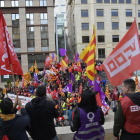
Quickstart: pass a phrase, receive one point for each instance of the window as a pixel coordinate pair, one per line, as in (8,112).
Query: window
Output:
(44,36)
(2,3)
(43,2)
(121,1)
(85,26)
(128,1)
(139,25)
(129,13)
(138,1)
(115,38)
(101,53)
(30,36)
(16,37)
(99,1)
(83,1)
(113,1)
(115,25)
(114,13)
(43,18)
(14,3)
(99,12)
(15,19)
(85,39)
(29,2)
(101,38)
(128,25)
(84,13)
(30,19)
(100,25)
(138,13)
(106,1)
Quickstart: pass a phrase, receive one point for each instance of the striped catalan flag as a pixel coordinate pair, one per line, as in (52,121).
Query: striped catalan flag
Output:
(17,83)
(32,69)
(88,56)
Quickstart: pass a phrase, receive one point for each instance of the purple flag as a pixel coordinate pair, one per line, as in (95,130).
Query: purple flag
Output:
(68,88)
(72,77)
(62,51)
(98,88)
(36,78)
(53,57)
(77,57)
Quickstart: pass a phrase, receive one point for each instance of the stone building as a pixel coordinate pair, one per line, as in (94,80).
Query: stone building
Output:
(112,19)
(31,26)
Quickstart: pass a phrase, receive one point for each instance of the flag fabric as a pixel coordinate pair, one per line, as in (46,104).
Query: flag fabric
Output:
(104,107)
(72,77)
(107,91)
(22,81)
(35,66)
(77,68)
(51,77)
(59,66)
(17,83)
(63,65)
(63,62)
(115,94)
(47,61)
(4,91)
(27,76)
(97,67)
(54,69)
(121,63)
(136,80)
(98,79)
(77,57)
(120,97)
(32,69)
(62,51)
(67,88)
(53,57)
(74,58)
(80,88)
(36,78)
(36,71)
(25,82)
(7,54)
(83,76)
(66,59)
(91,72)
(51,60)
(98,88)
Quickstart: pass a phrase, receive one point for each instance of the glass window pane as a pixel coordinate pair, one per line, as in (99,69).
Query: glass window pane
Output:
(106,1)
(31,22)
(139,25)
(99,1)
(115,38)
(16,3)
(101,53)
(83,1)
(13,16)
(31,3)
(41,16)
(138,13)
(41,3)
(43,21)
(128,1)
(113,1)
(114,12)
(44,43)
(121,1)
(16,43)
(100,25)
(85,39)
(17,16)
(27,16)
(85,26)
(99,12)
(12,3)
(30,43)
(32,29)
(115,25)
(2,3)
(128,25)
(27,3)
(138,1)
(45,3)
(84,13)
(45,15)
(101,38)
(128,12)
(31,16)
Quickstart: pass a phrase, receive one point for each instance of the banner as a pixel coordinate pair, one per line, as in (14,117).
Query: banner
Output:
(24,100)
(68,88)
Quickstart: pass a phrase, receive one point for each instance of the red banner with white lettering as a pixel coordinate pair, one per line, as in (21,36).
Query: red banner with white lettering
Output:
(121,63)
(47,61)
(66,59)
(7,53)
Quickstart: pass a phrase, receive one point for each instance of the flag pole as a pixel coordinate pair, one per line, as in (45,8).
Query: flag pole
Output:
(13,78)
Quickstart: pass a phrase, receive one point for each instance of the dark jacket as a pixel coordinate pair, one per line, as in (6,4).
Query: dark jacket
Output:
(119,120)
(15,128)
(42,113)
(77,122)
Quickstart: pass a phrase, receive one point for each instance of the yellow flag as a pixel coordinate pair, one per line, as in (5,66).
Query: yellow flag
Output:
(64,63)
(17,83)
(32,69)
(4,91)
(36,71)
(35,66)
(27,76)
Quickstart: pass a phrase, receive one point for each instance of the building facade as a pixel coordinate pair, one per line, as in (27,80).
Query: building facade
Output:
(31,26)
(112,19)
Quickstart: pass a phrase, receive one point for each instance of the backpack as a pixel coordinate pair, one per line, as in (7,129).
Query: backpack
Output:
(5,137)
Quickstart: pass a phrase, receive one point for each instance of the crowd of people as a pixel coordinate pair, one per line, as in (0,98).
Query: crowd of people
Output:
(79,107)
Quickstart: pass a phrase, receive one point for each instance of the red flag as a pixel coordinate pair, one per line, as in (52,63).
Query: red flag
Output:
(76,68)
(97,67)
(121,63)
(22,81)
(100,68)
(74,58)
(66,59)
(47,61)
(115,94)
(58,66)
(99,78)
(80,89)
(35,83)
(7,54)
(83,76)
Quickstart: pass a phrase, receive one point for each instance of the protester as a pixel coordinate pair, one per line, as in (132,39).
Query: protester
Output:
(127,118)
(42,113)
(69,114)
(60,120)
(103,83)
(88,118)
(11,124)
(63,105)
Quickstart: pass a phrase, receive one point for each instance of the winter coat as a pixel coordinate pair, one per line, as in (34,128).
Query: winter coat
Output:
(69,114)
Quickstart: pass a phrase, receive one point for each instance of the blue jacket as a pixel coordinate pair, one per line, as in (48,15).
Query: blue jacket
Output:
(103,82)
(69,114)
(15,128)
